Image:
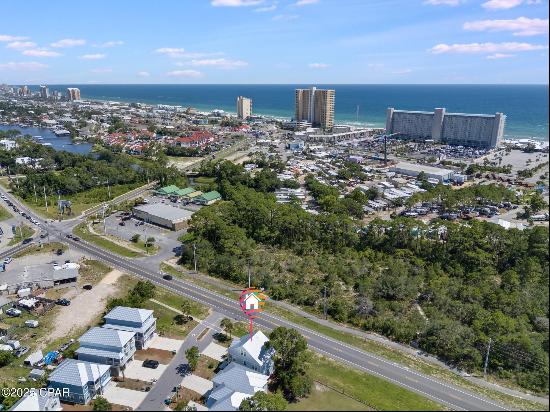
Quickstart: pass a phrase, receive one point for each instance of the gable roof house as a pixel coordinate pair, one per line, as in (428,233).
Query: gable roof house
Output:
(79,381)
(108,347)
(252,353)
(234,384)
(35,400)
(139,321)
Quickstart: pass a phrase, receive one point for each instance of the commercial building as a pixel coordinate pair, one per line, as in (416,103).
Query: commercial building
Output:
(472,130)
(163,215)
(208,198)
(244,107)
(412,169)
(73,93)
(315,106)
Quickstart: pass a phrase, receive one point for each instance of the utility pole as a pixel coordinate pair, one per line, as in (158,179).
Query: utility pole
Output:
(104,225)
(487,358)
(195,256)
(45,198)
(248,264)
(35,197)
(325,304)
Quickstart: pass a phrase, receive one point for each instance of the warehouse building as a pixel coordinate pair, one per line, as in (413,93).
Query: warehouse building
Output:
(412,169)
(163,215)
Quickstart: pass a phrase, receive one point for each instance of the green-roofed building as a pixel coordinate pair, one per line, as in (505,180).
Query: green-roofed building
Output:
(184,192)
(167,190)
(208,198)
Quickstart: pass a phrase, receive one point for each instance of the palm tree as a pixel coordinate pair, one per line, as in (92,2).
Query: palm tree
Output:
(227,326)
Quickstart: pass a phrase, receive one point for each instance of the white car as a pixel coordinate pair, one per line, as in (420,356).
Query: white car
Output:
(8,260)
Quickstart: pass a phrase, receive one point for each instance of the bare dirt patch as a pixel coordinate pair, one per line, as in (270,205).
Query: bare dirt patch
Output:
(162,356)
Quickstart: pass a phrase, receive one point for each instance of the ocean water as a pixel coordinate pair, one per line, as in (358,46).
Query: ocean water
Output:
(526,106)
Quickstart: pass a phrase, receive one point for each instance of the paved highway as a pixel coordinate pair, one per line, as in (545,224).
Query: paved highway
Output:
(448,395)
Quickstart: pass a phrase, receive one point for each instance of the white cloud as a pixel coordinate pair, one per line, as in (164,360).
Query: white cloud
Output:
(184,73)
(235,3)
(443,2)
(23,66)
(144,74)
(40,53)
(68,43)
(266,9)
(171,51)
(285,17)
(21,45)
(102,70)
(96,56)
(501,4)
(485,47)
(222,63)
(108,44)
(305,2)
(500,56)
(6,38)
(401,71)
(522,26)
(318,65)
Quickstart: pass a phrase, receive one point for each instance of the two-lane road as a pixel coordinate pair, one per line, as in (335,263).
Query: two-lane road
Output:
(446,394)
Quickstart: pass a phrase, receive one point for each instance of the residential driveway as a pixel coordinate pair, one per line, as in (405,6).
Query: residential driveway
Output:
(197,384)
(122,396)
(134,370)
(159,342)
(215,351)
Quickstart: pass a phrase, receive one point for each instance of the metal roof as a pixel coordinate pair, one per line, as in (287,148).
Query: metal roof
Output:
(77,373)
(241,379)
(124,313)
(163,211)
(211,195)
(106,337)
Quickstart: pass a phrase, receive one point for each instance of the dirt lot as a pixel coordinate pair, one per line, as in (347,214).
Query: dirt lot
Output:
(133,384)
(84,307)
(69,407)
(162,356)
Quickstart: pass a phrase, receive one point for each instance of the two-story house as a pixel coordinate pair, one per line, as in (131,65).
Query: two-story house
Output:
(232,385)
(252,353)
(79,381)
(108,347)
(37,400)
(139,321)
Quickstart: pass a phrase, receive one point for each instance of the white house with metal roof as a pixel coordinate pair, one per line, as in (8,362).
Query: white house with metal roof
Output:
(79,381)
(38,401)
(108,347)
(139,321)
(232,385)
(252,353)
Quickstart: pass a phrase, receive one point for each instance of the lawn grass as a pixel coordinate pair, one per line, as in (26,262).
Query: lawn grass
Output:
(83,232)
(374,392)
(204,180)
(4,214)
(166,322)
(51,247)
(92,271)
(322,398)
(80,201)
(22,232)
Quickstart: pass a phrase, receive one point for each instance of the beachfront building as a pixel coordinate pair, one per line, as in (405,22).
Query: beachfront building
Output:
(462,129)
(244,107)
(73,93)
(315,106)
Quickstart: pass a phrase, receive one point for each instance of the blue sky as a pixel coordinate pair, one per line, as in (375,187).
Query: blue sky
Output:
(274,41)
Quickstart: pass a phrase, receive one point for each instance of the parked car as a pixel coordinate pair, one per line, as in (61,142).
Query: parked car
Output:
(150,363)
(14,313)
(59,252)
(21,351)
(122,223)
(63,302)
(8,260)
(87,287)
